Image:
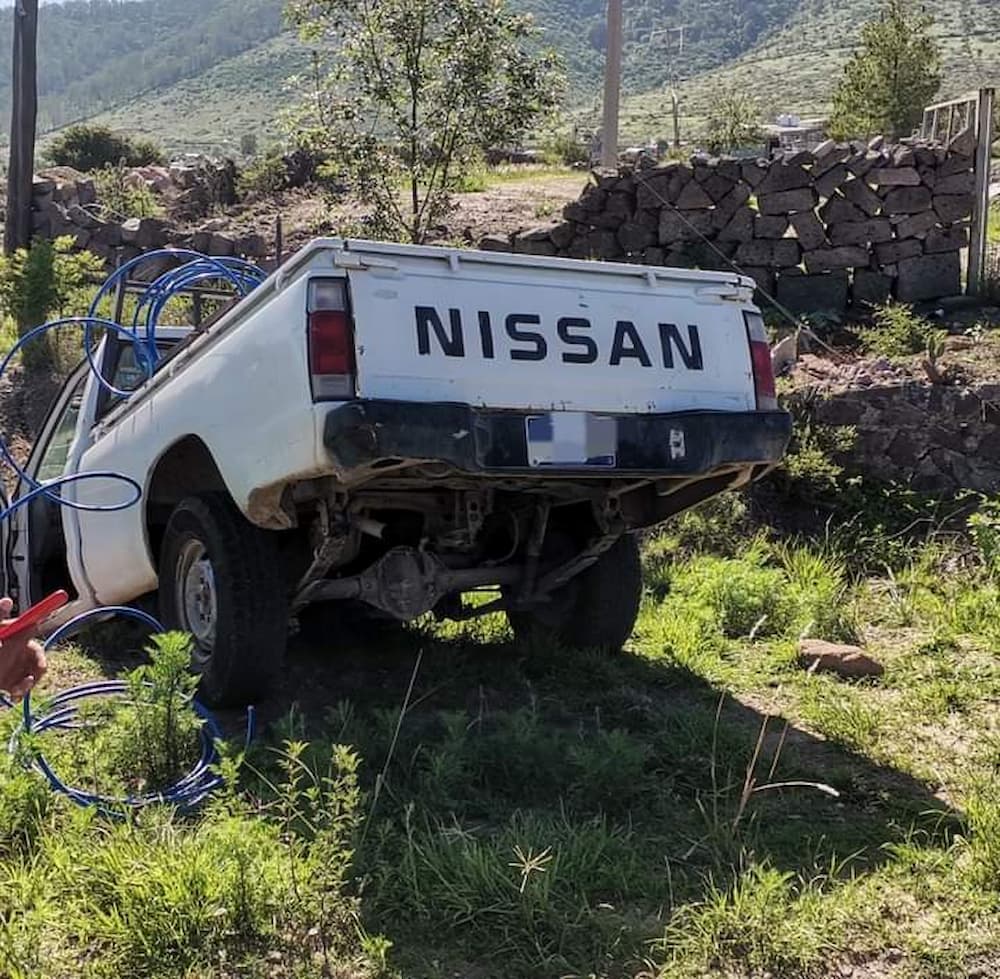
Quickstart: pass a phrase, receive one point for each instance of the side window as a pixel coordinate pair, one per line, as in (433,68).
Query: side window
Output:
(53,460)
(127,375)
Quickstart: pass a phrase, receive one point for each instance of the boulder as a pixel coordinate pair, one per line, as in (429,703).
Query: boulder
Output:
(784,176)
(562,234)
(946,239)
(929,277)
(860,232)
(740,226)
(693,196)
(718,186)
(522,246)
(684,226)
(870,287)
(86,192)
(859,193)
(809,230)
(850,662)
(787,253)
(894,251)
(635,237)
(813,293)
(753,172)
(828,259)
(110,236)
(764,277)
(952,208)
(787,201)
(838,210)
(917,225)
(82,218)
(861,163)
(770,226)
(832,154)
(955,163)
(220,245)
(903,156)
(755,253)
(144,233)
(907,200)
(956,183)
(832,180)
(894,177)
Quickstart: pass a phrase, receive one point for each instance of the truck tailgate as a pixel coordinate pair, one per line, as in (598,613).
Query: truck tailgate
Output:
(549,334)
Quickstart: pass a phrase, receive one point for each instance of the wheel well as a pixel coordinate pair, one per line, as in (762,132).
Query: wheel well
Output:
(185,469)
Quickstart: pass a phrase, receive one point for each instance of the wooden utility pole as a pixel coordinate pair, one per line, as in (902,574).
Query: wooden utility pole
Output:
(24,114)
(612,86)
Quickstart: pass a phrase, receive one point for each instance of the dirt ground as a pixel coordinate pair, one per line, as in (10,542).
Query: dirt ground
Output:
(514,203)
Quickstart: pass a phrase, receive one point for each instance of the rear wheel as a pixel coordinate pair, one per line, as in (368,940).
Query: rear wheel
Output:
(220,581)
(596,609)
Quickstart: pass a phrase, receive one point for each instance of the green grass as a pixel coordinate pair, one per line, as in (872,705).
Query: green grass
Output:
(698,805)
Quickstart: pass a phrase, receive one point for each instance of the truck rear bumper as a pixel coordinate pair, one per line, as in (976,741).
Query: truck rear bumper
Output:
(482,441)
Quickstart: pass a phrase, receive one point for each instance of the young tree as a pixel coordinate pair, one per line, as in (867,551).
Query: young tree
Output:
(734,122)
(409,93)
(891,77)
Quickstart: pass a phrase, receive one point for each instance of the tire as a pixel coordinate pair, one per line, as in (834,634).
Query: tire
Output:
(595,610)
(220,581)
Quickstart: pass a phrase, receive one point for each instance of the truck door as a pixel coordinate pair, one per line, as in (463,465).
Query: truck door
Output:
(37,537)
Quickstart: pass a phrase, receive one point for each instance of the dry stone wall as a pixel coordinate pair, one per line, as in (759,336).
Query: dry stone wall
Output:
(65,204)
(821,230)
(933,438)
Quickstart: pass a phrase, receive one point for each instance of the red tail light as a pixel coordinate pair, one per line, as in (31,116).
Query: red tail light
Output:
(760,361)
(331,341)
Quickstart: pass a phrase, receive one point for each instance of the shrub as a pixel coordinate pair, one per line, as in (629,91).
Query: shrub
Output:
(897,331)
(567,149)
(120,199)
(37,282)
(87,147)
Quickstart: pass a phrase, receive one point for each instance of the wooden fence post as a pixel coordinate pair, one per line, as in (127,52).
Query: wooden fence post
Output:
(981,204)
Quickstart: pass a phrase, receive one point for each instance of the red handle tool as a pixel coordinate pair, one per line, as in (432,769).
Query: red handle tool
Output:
(34,615)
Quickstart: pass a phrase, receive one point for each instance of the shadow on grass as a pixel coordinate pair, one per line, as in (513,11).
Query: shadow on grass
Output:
(547,811)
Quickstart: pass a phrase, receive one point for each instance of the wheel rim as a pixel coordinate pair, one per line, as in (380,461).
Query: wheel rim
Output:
(197,599)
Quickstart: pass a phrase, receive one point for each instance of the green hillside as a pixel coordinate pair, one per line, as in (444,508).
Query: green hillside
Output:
(200,74)
(96,54)
(796,68)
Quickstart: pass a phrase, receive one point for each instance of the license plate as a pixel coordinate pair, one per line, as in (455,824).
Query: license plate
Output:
(572,439)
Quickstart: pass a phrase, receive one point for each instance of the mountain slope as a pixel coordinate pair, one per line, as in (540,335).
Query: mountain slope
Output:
(124,59)
(796,68)
(93,55)
(200,74)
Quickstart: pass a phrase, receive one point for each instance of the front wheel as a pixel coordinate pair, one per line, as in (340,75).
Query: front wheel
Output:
(220,582)
(596,609)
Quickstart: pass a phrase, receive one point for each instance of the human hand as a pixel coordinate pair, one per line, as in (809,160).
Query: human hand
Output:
(22,659)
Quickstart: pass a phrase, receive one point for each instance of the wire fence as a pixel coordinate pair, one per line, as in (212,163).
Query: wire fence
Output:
(991,271)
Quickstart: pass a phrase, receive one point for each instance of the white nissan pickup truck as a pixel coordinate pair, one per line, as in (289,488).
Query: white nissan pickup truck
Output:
(393,427)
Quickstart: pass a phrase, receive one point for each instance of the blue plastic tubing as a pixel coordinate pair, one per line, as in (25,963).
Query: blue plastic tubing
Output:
(61,712)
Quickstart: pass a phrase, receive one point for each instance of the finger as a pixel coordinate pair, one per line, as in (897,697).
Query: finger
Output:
(20,689)
(6,605)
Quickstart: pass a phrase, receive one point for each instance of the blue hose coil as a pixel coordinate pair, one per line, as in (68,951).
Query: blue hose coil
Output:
(193,788)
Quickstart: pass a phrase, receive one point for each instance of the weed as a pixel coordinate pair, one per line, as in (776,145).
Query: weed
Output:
(142,741)
(766,921)
(897,331)
(122,198)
